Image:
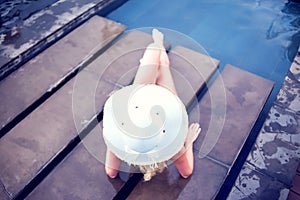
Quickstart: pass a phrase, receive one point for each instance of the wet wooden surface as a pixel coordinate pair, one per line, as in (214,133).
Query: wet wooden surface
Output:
(293,196)
(191,71)
(80,176)
(203,184)
(32,26)
(235,101)
(52,125)
(31,81)
(211,169)
(42,134)
(131,48)
(3,194)
(36,139)
(131,51)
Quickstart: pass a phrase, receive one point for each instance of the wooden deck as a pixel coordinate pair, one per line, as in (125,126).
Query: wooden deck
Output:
(51,142)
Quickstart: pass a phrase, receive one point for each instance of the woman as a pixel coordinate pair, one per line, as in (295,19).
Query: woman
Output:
(146,124)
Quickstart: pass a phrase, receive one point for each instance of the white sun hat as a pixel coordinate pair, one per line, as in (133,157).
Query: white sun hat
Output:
(144,124)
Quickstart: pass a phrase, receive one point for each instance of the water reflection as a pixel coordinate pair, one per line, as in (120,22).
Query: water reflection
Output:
(292,10)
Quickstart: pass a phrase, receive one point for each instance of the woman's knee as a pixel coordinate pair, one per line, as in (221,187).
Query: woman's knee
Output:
(112,173)
(186,173)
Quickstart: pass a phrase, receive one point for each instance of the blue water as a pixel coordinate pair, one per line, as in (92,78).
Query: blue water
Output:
(261,37)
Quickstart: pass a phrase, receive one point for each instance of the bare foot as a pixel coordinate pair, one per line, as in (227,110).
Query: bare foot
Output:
(192,134)
(158,38)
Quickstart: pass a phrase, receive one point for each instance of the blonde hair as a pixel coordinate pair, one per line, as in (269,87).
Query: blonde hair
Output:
(151,170)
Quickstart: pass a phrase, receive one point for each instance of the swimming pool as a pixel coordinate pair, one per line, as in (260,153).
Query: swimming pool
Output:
(261,37)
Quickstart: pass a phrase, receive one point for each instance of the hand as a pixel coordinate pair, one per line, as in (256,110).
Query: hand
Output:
(192,135)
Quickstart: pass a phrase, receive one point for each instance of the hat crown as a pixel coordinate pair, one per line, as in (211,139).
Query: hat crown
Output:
(137,117)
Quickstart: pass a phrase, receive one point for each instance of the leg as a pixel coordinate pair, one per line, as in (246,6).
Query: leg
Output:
(184,160)
(112,164)
(165,78)
(148,70)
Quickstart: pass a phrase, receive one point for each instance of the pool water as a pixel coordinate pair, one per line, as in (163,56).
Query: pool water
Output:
(261,37)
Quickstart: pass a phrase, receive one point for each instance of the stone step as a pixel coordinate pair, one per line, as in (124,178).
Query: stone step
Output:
(273,161)
(81,175)
(227,113)
(234,103)
(3,194)
(39,77)
(182,60)
(34,142)
(191,71)
(43,133)
(25,36)
(37,139)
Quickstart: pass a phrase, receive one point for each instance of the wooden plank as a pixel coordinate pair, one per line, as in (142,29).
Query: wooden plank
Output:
(94,143)
(293,196)
(3,194)
(245,96)
(29,83)
(211,170)
(191,71)
(42,134)
(29,35)
(119,64)
(88,159)
(203,184)
(80,176)
(122,57)
(36,139)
